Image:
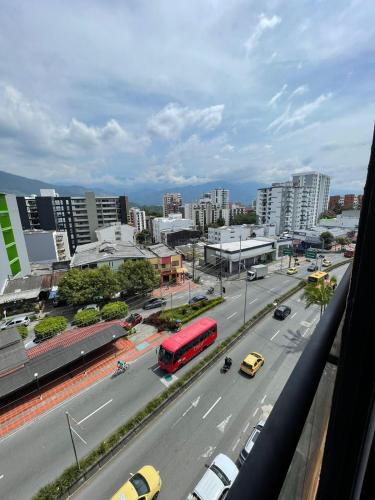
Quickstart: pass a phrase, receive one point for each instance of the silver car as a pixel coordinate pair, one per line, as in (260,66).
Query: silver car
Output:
(251,441)
(12,323)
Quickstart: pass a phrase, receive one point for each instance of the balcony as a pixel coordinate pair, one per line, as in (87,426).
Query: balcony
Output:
(318,441)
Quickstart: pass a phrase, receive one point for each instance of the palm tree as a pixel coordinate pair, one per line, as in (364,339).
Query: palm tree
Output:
(319,294)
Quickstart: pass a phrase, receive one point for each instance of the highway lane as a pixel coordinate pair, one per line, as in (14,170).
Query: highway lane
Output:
(102,408)
(216,414)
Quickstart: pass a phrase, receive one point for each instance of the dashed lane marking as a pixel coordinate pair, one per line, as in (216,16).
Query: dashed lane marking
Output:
(264,397)
(255,412)
(212,407)
(273,336)
(246,427)
(231,316)
(252,302)
(236,444)
(292,316)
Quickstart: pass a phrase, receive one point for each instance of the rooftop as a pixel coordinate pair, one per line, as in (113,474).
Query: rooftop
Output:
(102,251)
(162,250)
(234,246)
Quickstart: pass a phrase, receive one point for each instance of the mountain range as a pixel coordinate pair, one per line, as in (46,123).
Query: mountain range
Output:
(23,186)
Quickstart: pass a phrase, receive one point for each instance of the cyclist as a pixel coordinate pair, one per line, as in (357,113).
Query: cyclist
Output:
(121,365)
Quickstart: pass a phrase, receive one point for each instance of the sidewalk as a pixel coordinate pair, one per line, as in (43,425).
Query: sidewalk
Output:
(168,290)
(29,407)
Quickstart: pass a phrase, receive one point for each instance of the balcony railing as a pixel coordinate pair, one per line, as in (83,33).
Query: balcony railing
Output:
(263,474)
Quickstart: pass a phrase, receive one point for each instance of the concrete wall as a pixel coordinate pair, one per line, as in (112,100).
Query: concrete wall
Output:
(41,246)
(18,235)
(92,214)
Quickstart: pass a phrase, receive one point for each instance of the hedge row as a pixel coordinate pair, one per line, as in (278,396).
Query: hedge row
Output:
(86,317)
(55,490)
(114,310)
(48,327)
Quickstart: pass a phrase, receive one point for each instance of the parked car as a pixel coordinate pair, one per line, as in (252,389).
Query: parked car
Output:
(143,485)
(312,268)
(292,270)
(326,262)
(251,364)
(153,303)
(216,481)
(89,306)
(281,312)
(198,298)
(132,320)
(11,323)
(251,441)
(189,275)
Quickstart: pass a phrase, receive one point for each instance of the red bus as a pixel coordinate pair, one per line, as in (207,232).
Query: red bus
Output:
(349,253)
(187,343)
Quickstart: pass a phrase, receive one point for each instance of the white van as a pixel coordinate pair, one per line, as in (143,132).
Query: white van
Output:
(11,323)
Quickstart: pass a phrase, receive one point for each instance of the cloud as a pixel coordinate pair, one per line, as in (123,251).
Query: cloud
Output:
(290,118)
(277,96)
(171,121)
(302,89)
(171,175)
(265,23)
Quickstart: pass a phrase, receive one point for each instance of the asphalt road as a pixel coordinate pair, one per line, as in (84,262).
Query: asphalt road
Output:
(216,414)
(35,454)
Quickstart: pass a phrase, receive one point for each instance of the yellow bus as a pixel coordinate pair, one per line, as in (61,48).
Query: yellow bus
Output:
(317,277)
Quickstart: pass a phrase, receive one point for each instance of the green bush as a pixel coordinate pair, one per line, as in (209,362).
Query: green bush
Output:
(22,330)
(114,310)
(51,326)
(86,317)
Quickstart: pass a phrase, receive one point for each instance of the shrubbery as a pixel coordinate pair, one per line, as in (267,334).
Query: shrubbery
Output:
(22,330)
(114,310)
(86,317)
(49,327)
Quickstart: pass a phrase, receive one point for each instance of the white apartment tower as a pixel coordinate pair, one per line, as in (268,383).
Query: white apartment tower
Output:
(137,218)
(172,203)
(220,197)
(295,204)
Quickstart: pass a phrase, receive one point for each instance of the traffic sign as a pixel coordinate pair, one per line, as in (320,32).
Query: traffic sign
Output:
(288,251)
(310,254)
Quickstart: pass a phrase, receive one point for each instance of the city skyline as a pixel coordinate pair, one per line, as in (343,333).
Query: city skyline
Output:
(247,93)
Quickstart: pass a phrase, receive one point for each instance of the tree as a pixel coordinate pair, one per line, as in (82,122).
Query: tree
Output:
(84,286)
(342,241)
(319,294)
(143,237)
(249,218)
(137,276)
(327,238)
(220,221)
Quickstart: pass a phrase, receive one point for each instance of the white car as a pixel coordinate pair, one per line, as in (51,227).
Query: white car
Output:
(89,306)
(251,441)
(11,323)
(216,481)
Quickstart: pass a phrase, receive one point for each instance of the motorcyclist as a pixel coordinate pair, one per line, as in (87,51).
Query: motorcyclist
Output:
(121,365)
(228,362)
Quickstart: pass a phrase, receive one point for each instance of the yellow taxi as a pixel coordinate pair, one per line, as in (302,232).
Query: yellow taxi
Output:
(251,364)
(143,485)
(292,270)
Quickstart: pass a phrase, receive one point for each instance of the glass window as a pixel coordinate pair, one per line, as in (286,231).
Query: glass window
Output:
(140,484)
(165,356)
(220,474)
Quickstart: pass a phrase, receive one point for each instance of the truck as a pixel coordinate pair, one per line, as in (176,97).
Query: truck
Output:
(257,272)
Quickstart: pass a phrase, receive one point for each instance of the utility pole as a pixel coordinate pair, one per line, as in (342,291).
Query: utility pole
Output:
(244,306)
(193,260)
(221,270)
(71,437)
(189,292)
(171,300)
(239,261)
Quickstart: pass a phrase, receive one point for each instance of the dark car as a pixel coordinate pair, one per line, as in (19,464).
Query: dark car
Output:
(132,320)
(312,268)
(153,303)
(198,298)
(281,312)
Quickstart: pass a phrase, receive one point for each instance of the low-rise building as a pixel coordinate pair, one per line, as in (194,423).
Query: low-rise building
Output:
(349,219)
(116,232)
(168,263)
(173,222)
(47,246)
(179,237)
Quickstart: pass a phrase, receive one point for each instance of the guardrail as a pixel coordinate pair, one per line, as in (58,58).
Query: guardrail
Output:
(265,469)
(73,478)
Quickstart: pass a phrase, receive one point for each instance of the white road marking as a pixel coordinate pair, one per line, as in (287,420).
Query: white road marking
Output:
(194,404)
(235,296)
(2,475)
(171,379)
(255,412)
(76,433)
(95,411)
(236,444)
(317,318)
(264,397)
(231,316)
(307,324)
(272,289)
(278,331)
(212,407)
(304,334)
(208,452)
(224,423)
(252,302)
(292,316)
(246,427)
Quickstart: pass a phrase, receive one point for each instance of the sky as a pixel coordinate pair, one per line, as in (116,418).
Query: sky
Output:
(170,94)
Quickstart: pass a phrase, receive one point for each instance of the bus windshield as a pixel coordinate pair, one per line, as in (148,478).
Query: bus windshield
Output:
(318,276)
(165,356)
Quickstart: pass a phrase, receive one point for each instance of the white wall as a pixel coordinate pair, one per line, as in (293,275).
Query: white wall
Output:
(172,223)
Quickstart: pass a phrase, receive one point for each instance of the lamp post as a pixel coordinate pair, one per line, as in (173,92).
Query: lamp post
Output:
(36,375)
(71,437)
(244,306)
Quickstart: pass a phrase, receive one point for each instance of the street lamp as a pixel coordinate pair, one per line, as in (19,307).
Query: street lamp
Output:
(71,437)
(36,374)
(244,307)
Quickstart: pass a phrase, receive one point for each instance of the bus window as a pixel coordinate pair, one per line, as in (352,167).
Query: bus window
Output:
(317,277)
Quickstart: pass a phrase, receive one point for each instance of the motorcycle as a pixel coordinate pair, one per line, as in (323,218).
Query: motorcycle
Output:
(211,290)
(227,365)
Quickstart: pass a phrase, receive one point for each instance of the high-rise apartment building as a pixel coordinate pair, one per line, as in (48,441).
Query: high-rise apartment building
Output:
(14,261)
(137,218)
(172,203)
(295,204)
(220,197)
(346,201)
(79,216)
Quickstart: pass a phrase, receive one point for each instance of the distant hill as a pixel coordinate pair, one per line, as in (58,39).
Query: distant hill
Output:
(23,186)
